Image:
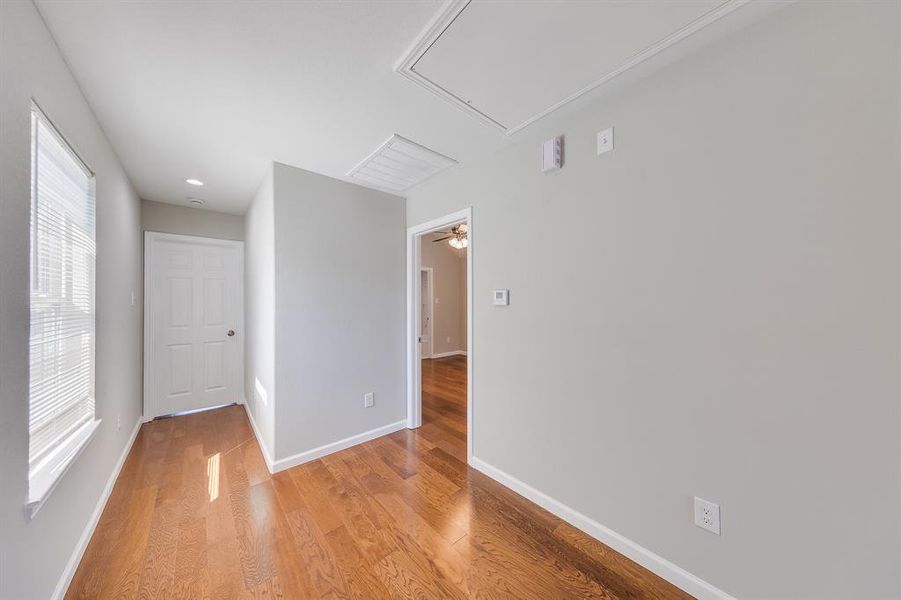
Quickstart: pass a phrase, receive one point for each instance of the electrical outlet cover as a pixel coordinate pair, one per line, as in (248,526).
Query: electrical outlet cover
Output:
(707,515)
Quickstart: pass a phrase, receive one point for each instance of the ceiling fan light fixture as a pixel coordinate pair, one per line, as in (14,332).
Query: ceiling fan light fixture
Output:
(457,243)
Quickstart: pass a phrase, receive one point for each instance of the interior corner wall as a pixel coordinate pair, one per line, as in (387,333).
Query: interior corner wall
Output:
(711,309)
(340,297)
(36,555)
(259,309)
(186,220)
(449,280)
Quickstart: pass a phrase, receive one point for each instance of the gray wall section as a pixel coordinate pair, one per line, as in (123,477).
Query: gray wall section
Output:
(184,220)
(449,310)
(340,309)
(33,555)
(711,309)
(259,309)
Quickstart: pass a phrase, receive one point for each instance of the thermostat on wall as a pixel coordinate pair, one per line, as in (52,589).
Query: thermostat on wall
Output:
(501,297)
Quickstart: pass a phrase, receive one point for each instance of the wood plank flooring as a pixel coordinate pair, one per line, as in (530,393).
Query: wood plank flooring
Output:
(195,514)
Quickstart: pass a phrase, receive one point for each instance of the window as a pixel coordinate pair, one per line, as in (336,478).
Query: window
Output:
(61,351)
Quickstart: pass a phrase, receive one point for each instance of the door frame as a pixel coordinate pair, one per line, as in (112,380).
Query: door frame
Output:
(431,278)
(414,362)
(150,238)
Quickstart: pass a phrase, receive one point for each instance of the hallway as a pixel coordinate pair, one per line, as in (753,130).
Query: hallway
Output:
(195,514)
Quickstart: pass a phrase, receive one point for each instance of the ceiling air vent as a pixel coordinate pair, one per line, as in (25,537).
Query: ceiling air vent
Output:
(399,164)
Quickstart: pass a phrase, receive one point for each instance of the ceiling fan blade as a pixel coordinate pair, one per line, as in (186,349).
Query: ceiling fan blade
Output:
(442,239)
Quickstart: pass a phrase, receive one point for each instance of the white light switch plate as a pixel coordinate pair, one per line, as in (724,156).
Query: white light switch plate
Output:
(605,140)
(707,515)
(501,297)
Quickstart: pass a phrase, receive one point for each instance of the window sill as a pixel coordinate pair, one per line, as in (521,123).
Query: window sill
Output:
(43,480)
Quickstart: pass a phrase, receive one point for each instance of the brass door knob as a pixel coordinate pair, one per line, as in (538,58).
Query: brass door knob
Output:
(231,333)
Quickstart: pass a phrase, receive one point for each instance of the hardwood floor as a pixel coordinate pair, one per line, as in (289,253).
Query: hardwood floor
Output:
(195,514)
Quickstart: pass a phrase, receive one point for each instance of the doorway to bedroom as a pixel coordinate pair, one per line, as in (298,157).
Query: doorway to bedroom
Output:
(440,332)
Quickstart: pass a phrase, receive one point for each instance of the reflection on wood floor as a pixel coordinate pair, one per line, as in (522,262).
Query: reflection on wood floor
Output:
(195,514)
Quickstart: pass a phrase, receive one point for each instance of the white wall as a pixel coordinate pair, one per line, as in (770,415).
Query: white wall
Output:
(259,309)
(449,311)
(712,309)
(34,555)
(185,220)
(340,309)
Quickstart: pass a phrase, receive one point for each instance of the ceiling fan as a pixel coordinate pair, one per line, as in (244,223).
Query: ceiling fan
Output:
(457,237)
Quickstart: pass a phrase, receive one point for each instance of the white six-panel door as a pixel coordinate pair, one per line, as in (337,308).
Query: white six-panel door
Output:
(193,320)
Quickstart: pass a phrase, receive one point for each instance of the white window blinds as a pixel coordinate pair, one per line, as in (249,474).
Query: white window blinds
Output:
(61,393)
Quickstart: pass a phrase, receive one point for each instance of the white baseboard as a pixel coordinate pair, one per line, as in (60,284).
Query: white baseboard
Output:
(275,466)
(307,456)
(451,353)
(655,563)
(88,532)
(260,442)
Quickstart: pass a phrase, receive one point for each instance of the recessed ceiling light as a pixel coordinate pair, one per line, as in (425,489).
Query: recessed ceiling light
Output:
(194,181)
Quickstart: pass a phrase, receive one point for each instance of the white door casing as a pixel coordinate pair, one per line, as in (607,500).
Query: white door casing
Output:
(193,322)
(414,290)
(427,299)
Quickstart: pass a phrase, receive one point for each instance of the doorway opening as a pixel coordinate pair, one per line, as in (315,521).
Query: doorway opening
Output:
(439,328)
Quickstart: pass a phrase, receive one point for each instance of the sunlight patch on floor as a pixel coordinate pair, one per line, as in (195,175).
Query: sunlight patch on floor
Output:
(212,473)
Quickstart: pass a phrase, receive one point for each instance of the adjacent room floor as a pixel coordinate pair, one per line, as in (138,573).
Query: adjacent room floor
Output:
(195,514)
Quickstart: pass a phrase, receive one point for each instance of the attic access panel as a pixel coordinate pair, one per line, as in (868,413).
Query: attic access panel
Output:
(511,63)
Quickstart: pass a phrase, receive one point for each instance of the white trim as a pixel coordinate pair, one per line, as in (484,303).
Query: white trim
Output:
(451,353)
(69,572)
(55,131)
(431,274)
(655,563)
(282,464)
(414,363)
(150,237)
(54,466)
(446,15)
(260,440)
(324,450)
(451,9)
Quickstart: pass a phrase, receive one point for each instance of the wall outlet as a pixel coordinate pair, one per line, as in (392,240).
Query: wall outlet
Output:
(133,298)
(368,399)
(118,422)
(448,340)
(707,515)
(605,140)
